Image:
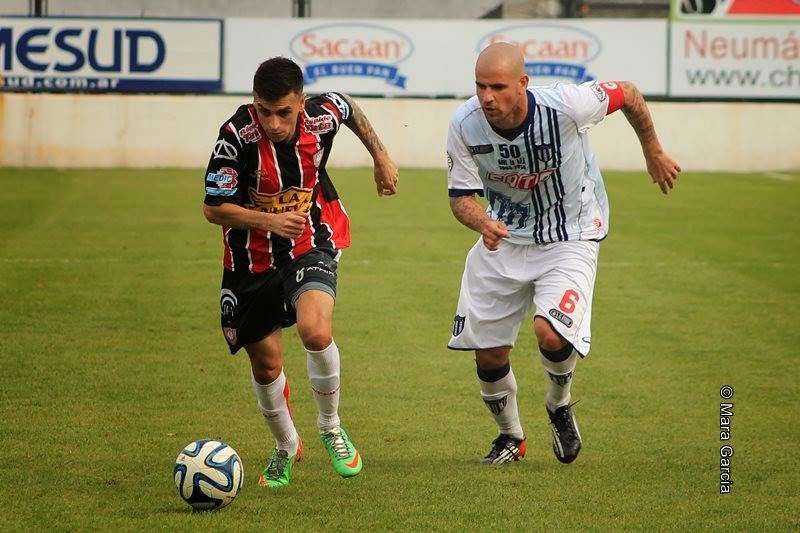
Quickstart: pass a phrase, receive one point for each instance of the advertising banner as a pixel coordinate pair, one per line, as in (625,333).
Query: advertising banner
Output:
(734,9)
(744,60)
(436,58)
(735,49)
(110,55)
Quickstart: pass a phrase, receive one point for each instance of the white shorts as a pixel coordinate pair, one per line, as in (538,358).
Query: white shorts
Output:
(498,289)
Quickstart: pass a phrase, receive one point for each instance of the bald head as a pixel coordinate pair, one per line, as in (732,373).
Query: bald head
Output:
(501,85)
(503,57)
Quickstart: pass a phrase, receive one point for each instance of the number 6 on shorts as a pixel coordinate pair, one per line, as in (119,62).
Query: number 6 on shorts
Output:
(569,301)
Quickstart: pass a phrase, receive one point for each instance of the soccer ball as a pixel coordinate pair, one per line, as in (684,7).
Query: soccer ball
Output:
(208,474)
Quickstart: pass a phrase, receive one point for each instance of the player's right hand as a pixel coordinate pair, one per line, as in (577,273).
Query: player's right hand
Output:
(386,175)
(493,231)
(289,224)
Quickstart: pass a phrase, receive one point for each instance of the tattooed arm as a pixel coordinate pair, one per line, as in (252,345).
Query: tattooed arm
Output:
(385,170)
(661,167)
(469,212)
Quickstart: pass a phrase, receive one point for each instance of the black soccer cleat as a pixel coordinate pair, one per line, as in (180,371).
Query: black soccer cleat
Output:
(566,437)
(505,449)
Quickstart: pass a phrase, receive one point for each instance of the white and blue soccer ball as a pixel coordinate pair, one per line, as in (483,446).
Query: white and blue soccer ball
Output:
(208,474)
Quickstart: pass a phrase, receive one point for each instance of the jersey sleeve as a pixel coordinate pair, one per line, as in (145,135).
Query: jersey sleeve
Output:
(225,169)
(586,104)
(463,177)
(338,106)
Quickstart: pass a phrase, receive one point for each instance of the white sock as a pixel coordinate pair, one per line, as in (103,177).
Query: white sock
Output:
(501,398)
(273,401)
(559,380)
(323,373)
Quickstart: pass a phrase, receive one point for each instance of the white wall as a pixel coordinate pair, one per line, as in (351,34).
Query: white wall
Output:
(43,130)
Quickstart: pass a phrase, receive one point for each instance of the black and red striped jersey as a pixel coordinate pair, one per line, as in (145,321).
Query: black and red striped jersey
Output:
(248,169)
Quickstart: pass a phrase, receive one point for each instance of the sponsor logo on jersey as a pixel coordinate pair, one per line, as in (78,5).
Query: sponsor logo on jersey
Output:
(522,181)
(361,50)
(449,162)
(291,199)
(250,133)
(561,317)
(222,183)
(225,150)
(481,149)
(320,124)
(458,325)
(553,52)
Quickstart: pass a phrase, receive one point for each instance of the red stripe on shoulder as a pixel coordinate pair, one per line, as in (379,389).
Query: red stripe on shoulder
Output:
(333,109)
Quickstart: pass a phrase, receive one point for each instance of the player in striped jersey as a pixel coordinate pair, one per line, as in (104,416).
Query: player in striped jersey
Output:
(527,151)
(283,228)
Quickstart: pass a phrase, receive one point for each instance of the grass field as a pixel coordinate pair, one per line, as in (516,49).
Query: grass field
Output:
(113,361)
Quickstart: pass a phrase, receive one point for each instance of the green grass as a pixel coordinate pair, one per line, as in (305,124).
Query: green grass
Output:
(113,360)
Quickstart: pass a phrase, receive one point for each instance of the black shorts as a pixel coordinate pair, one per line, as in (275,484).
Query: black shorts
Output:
(254,305)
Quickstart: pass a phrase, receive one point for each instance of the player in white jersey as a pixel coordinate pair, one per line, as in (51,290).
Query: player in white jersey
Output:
(527,151)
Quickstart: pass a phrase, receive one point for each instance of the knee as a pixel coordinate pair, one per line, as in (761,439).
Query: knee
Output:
(317,343)
(265,371)
(316,335)
(547,337)
(266,359)
(492,358)
(315,339)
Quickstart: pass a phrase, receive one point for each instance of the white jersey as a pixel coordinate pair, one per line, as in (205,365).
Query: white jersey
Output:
(541,179)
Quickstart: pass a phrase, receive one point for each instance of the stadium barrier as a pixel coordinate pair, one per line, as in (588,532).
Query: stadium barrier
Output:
(141,131)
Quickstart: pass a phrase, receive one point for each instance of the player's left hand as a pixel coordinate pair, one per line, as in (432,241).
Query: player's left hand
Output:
(663,169)
(386,176)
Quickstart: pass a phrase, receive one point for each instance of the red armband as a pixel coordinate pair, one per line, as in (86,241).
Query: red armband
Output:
(616,97)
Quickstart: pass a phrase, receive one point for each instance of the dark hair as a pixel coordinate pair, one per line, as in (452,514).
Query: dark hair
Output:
(276,77)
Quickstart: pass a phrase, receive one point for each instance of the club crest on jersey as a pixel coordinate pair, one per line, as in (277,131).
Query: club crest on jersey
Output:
(481,149)
(250,133)
(544,152)
(320,124)
(458,325)
(291,199)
